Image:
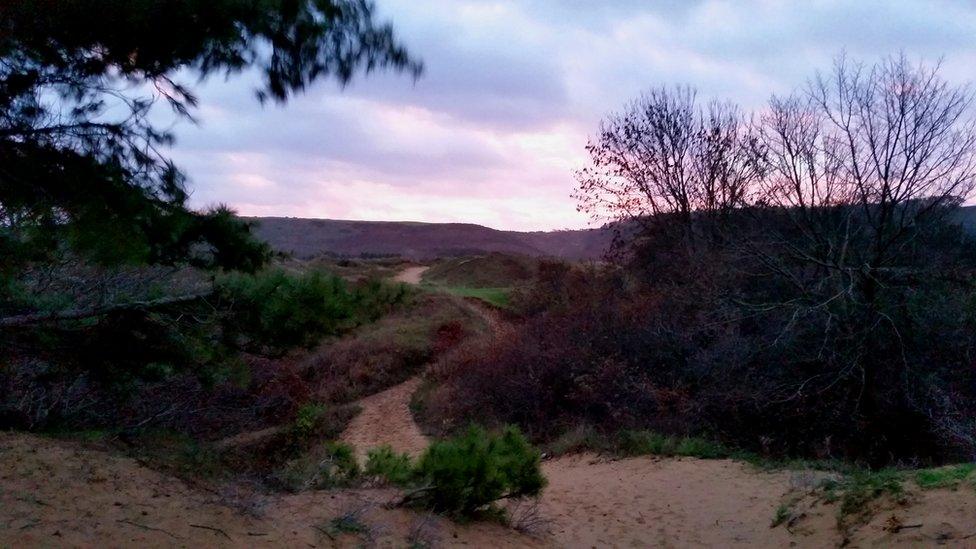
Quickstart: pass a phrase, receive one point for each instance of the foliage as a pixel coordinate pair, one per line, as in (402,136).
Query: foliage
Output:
(387,464)
(326,466)
(78,141)
(87,196)
(307,419)
(214,337)
(467,473)
(280,310)
(647,442)
(780,289)
(350,522)
(499,297)
(945,477)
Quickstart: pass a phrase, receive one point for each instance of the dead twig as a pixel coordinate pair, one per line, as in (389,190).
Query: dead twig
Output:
(211,528)
(150,528)
(324,531)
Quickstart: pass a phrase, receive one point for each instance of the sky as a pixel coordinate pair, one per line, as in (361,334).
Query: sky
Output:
(495,128)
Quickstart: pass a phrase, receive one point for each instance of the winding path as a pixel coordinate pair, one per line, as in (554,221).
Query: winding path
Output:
(385,419)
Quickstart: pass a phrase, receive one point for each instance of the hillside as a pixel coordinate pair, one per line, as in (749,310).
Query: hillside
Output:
(307,238)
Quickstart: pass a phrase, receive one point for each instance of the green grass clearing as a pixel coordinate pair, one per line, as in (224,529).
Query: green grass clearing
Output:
(499,297)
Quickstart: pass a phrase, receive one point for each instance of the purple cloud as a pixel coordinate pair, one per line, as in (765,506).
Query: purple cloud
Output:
(493,131)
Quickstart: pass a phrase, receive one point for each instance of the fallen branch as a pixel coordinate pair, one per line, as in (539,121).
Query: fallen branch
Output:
(150,528)
(211,528)
(408,497)
(81,314)
(324,531)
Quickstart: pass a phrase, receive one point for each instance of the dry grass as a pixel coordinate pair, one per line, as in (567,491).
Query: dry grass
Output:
(391,350)
(486,271)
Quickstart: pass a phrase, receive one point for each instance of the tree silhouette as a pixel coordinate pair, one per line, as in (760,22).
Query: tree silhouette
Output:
(82,163)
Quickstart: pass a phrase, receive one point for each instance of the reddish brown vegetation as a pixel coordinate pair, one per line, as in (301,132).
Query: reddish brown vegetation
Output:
(390,351)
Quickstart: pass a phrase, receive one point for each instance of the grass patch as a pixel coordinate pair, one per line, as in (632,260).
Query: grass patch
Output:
(499,297)
(495,270)
(349,523)
(635,443)
(579,439)
(783,513)
(945,477)
(855,491)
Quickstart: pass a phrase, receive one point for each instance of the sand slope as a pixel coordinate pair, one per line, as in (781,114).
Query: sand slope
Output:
(54,493)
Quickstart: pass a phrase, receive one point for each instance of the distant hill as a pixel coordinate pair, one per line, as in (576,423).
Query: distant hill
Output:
(306,238)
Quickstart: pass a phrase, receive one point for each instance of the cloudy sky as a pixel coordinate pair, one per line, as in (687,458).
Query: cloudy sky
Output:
(494,129)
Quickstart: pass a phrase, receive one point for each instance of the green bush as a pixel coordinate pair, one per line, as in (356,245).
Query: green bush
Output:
(279,310)
(307,419)
(330,465)
(463,475)
(385,463)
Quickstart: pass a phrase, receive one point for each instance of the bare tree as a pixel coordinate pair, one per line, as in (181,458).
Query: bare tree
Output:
(862,160)
(666,156)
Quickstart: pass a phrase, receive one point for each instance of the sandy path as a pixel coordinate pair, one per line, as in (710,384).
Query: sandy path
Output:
(386,419)
(411,275)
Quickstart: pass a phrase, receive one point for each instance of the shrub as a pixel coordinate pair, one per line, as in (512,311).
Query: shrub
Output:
(465,474)
(349,522)
(307,419)
(393,467)
(277,310)
(858,489)
(674,351)
(327,466)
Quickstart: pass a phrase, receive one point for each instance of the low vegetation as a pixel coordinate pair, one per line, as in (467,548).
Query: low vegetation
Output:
(464,475)
(483,271)
(391,350)
(497,297)
(492,278)
(326,465)
(389,466)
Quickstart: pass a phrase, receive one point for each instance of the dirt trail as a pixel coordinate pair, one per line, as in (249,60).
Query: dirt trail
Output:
(386,419)
(411,275)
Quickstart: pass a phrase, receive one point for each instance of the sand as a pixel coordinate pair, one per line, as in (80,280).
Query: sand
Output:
(60,493)
(56,493)
(385,419)
(411,275)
